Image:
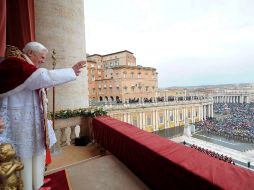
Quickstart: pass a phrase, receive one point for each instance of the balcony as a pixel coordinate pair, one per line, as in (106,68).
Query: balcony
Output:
(122,155)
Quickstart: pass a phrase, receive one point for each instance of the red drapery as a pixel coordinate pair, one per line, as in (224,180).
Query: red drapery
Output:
(163,164)
(2,27)
(17,23)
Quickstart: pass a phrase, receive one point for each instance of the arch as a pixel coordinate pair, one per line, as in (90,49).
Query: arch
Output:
(112,98)
(101,99)
(118,100)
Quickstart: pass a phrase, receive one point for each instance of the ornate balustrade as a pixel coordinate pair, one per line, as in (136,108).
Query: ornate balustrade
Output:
(70,128)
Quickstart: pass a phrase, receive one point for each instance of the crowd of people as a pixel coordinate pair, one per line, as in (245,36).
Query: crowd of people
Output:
(214,154)
(233,121)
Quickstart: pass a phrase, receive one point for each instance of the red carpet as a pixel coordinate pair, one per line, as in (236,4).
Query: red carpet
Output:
(59,181)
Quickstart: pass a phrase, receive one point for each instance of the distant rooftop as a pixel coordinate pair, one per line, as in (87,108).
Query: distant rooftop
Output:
(110,53)
(134,67)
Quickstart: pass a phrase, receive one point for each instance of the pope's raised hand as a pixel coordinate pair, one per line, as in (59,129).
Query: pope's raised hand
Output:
(78,66)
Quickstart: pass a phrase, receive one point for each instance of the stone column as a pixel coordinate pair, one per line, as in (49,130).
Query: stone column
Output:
(144,120)
(140,120)
(247,99)
(125,117)
(204,112)
(166,118)
(153,120)
(128,117)
(175,117)
(200,113)
(184,115)
(241,99)
(156,120)
(60,25)
(211,110)
(192,115)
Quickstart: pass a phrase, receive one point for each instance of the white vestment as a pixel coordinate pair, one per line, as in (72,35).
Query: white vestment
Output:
(21,111)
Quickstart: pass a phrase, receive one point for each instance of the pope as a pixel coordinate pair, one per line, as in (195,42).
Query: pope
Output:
(21,113)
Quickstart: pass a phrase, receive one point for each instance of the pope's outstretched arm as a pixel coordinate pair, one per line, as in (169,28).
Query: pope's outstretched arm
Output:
(44,78)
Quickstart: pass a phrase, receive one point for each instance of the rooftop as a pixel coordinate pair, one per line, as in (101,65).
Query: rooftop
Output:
(124,51)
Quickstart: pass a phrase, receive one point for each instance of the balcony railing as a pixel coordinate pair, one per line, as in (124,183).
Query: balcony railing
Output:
(160,163)
(163,164)
(70,128)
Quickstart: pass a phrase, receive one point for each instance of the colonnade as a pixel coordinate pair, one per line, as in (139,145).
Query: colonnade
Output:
(231,99)
(157,117)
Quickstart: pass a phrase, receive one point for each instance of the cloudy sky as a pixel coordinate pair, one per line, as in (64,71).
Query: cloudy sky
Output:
(189,42)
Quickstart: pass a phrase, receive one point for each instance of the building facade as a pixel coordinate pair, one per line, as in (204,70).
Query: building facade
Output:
(116,78)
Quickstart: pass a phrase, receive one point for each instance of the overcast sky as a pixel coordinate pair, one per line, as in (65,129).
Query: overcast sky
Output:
(189,42)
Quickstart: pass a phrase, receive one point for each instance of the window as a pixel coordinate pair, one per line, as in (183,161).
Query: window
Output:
(125,89)
(124,74)
(132,74)
(147,87)
(181,116)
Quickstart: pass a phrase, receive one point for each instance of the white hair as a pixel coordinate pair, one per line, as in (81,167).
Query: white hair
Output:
(35,46)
